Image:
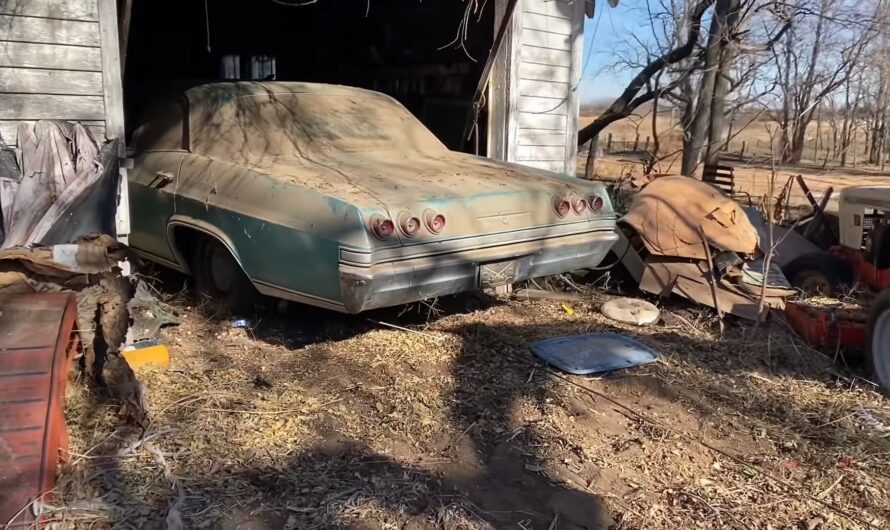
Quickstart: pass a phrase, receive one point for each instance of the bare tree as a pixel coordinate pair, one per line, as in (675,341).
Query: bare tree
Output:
(818,56)
(634,94)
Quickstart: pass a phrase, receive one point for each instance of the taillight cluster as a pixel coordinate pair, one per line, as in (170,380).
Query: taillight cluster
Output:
(409,225)
(579,205)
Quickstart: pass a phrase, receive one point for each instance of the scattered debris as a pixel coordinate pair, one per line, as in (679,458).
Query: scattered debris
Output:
(146,352)
(593,353)
(149,314)
(695,242)
(669,211)
(631,311)
(545,294)
(65,185)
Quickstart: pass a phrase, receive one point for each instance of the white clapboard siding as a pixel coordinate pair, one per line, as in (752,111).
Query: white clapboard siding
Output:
(58,9)
(544,89)
(55,56)
(546,56)
(532,153)
(49,30)
(558,25)
(545,72)
(545,39)
(9,130)
(542,105)
(36,81)
(550,122)
(544,84)
(554,8)
(543,138)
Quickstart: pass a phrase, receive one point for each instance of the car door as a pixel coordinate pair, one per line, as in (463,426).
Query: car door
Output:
(159,150)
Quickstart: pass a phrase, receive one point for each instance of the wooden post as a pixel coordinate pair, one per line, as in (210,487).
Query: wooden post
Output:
(609,144)
(636,142)
(742,152)
(646,149)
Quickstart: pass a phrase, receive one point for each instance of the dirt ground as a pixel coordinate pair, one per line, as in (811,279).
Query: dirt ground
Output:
(316,420)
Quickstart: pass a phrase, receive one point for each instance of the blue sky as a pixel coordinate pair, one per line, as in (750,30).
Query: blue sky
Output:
(602,34)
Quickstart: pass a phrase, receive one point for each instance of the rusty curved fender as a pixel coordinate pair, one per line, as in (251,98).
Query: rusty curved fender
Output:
(668,212)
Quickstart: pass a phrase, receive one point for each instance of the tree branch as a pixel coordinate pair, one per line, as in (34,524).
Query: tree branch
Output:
(628,100)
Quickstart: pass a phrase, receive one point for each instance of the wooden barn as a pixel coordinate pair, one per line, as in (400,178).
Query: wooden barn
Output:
(101,62)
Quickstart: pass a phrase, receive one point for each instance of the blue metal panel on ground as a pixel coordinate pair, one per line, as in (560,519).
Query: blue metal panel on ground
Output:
(593,353)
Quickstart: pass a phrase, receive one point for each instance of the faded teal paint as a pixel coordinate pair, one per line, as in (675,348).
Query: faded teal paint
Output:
(275,254)
(150,208)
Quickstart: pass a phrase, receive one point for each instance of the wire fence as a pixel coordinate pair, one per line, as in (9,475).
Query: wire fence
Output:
(820,152)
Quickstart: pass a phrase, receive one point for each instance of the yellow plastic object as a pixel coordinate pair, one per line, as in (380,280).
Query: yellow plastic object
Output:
(153,353)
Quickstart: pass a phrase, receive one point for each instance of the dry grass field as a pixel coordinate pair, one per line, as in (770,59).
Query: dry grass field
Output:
(753,172)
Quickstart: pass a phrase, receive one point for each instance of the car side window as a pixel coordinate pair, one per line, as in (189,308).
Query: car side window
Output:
(164,128)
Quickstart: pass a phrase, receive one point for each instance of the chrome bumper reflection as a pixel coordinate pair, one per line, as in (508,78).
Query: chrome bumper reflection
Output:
(411,280)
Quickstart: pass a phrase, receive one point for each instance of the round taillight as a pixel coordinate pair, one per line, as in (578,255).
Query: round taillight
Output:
(409,224)
(562,207)
(597,203)
(382,227)
(580,206)
(435,222)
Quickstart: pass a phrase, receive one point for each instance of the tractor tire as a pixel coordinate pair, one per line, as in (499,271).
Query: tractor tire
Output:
(220,279)
(820,273)
(877,348)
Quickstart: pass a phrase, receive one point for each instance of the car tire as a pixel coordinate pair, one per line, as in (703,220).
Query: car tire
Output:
(220,279)
(877,348)
(820,273)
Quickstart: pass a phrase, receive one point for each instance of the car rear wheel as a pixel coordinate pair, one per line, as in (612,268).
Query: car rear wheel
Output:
(820,273)
(878,347)
(219,277)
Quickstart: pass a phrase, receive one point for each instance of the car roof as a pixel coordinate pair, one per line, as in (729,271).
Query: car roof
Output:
(228,90)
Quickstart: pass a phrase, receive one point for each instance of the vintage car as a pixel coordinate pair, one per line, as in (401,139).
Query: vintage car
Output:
(340,198)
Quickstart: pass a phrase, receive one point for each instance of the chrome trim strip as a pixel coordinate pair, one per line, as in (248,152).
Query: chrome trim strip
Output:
(163,261)
(365,258)
(276,291)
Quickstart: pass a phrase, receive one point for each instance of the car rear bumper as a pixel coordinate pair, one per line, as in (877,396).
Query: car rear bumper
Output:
(413,279)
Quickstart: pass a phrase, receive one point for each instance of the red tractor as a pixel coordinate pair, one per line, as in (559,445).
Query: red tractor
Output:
(863,254)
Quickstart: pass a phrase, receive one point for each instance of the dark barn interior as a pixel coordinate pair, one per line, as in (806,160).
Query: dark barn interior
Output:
(408,49)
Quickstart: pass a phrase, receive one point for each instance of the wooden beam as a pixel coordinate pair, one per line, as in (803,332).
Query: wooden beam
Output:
(111,71)
(124,31)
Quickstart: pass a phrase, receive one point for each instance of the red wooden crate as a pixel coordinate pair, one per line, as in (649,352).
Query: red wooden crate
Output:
(37,343)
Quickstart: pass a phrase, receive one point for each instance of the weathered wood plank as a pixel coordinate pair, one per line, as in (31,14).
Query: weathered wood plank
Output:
(9,130)
(543,72)
(48,30)
(543,39)
(41,107)
(533,54)
(529,120)
(553,8)
(36,81)
(55,56)
(541,105)
(546,138)
(545,89)
(558,25)
(111,71)
(64,9)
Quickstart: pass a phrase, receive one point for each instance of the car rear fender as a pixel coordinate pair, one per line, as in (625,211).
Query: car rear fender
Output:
(178,223)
